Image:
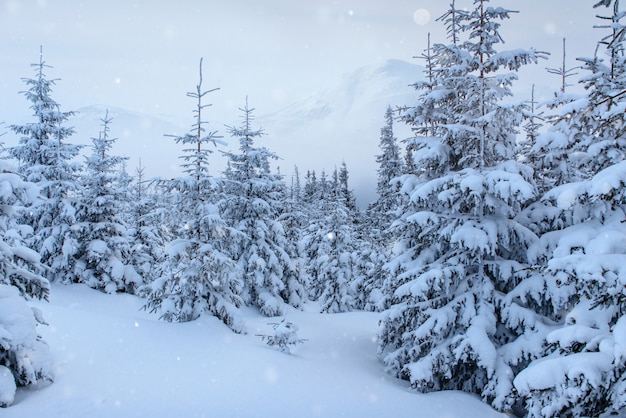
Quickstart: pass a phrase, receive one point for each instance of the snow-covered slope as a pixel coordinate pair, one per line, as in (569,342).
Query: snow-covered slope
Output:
(111,359)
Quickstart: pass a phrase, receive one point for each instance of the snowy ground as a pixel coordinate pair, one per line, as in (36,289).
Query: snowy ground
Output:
(111,359)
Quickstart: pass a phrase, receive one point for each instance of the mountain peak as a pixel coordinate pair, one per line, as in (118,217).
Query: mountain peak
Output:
(387,82)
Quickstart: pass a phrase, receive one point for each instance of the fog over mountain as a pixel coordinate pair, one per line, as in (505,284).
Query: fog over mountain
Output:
(343,121)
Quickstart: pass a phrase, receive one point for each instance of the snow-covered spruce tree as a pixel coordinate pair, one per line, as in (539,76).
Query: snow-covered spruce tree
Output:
(576,286)
(334,263)
(146,227)
(604,114)
(580,258)
(345,194)
(20,266)
(532,126)
(47,160)
(294,219)
(124,183)
(390,166)
(284,335)
(552,153)
(24,356)
(379,216)
(310,188)
(314,235)
(197,274)
(252,207)
(102,258)
(370,276)
(587,132)
(450,325)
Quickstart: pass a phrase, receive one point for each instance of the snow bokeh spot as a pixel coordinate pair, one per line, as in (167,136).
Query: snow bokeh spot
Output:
(12,6)
(550,28)
(421,17)
(271,375)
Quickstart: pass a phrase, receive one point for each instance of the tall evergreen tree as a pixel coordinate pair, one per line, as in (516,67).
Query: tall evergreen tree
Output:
(345,194)
(47,160)
(294,219)
(20,266)
(146,227)
(574,284)
(390,167)
(252,207)
(380,214)
(333,259)
(310,188)
(450,325)
(104,247)
(197,274)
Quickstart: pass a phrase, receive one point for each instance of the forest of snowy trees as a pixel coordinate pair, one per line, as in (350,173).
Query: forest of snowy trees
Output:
(495,252)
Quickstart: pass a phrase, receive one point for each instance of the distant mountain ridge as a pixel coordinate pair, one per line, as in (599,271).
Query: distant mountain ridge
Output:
(372,85)
(342,123)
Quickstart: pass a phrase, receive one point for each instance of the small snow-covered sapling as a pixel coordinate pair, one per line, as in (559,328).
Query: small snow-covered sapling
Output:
(285,335)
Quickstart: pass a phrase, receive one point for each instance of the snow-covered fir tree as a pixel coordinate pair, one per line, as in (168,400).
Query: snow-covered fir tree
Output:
(344,193)
(578,261)
(252,207)
(20,266)
(294,219)
(146,225)
(390,166)
(450,325)
(47,160)
(603,116)
(310,189)
(123,182)
(104,245)
(284,335)
(198,275)
(532,129)
(24,356)
(575,288)
(379,217)
(337,263)
(550,153)
(331,246)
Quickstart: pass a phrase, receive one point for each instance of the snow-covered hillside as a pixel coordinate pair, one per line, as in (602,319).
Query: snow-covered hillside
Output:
(112,359)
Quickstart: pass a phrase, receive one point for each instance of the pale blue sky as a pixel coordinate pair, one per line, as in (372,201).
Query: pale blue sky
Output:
(143,54)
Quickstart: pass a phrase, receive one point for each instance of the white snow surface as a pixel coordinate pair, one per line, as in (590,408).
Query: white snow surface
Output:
(113,359)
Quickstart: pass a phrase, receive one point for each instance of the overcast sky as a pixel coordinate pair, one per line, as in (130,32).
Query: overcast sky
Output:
(143,55)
